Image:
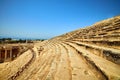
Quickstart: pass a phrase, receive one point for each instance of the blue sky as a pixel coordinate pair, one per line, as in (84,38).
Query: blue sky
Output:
(49,18)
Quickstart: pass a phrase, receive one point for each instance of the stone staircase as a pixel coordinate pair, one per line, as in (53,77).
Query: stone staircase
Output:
(92,53)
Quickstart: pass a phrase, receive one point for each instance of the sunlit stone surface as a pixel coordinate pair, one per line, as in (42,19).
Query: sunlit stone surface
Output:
(92,53)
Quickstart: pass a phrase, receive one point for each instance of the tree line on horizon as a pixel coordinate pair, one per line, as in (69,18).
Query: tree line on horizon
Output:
(10,40)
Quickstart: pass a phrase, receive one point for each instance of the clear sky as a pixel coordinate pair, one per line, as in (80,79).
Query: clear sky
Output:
(49,18)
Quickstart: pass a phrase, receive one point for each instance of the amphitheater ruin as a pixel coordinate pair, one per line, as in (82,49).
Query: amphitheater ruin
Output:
(90,53)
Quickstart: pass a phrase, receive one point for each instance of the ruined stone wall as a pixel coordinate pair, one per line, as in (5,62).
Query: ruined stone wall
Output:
(11,52)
